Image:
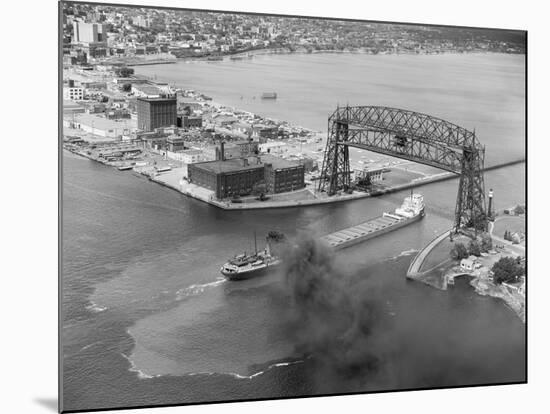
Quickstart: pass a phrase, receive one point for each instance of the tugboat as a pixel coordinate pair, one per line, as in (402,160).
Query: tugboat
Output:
(245,266)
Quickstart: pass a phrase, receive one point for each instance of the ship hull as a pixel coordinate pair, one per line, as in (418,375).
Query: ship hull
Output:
(378,233)
(249,274)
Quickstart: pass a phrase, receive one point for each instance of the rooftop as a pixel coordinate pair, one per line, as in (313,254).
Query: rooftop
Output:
(236,164)
(278,162)
(191,151)
(148,89)
(230,165)
(173,99)
(102,123)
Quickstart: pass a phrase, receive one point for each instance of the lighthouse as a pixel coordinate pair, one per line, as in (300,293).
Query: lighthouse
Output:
(490,208)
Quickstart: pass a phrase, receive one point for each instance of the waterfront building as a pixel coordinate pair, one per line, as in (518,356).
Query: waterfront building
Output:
(191,156)
(226,178)
(470,264)
(368,176)
(186,121)
(467,265)
(282,175)
(152,140)
(175,143)
(238,176)
(156,112)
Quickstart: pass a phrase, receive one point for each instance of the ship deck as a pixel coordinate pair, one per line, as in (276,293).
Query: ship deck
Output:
(359,232)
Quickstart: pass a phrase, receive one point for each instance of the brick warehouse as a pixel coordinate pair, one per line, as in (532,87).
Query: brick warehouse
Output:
(239,175)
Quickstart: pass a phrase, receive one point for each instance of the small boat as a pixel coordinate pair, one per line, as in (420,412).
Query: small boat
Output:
(125,167)
(269,95)
(246,266)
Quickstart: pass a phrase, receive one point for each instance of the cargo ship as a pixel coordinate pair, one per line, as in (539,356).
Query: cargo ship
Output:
(410,211)
(245,266)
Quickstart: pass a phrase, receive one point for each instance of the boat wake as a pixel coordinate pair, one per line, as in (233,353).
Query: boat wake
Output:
(197,289)
(143,375)
(270,367)
(251,376)
(95,308)
(405,253)
(133,368)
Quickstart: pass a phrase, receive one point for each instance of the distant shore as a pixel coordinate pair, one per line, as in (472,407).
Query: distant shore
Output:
(303,51)
(300,51)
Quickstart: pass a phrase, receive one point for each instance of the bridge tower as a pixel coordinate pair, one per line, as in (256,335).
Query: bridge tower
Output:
(413,136)
(336,168)
(470,202)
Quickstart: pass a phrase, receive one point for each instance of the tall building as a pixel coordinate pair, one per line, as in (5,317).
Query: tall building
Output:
(89,32)
(156,112)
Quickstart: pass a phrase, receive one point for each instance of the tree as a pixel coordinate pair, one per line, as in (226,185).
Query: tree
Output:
(519,210)
(474,248)
(124,72)
(486,242)
(127,87)
(459,251)
(507,269)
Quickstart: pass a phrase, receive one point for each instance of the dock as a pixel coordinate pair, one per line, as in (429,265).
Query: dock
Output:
(364,231)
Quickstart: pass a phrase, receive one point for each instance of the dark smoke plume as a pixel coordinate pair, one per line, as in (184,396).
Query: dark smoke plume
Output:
(333,322)
(340,318)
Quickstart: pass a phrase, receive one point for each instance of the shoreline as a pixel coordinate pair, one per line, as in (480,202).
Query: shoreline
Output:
(190,189)
(318,199)
(286,51)
(443,274)
(130,62)
(227,205)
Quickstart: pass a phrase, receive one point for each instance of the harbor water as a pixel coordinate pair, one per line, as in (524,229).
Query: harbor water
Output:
(147,317)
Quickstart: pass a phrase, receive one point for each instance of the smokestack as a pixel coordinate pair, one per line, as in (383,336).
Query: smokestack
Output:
(222,151)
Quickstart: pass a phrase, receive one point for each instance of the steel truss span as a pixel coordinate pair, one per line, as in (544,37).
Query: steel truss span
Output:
(412,136)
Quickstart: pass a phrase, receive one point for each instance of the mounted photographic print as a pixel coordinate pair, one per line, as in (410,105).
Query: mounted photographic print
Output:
(259,206)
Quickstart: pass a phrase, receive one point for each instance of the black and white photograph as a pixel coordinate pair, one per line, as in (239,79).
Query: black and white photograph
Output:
(263,206)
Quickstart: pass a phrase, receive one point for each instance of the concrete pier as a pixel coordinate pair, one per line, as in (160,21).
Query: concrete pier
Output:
(414,268)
